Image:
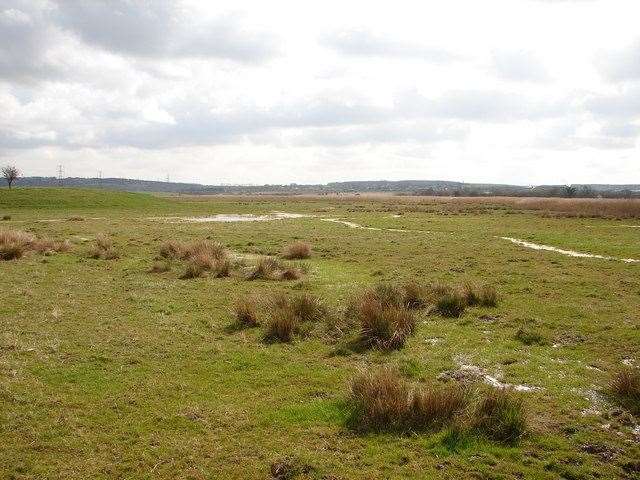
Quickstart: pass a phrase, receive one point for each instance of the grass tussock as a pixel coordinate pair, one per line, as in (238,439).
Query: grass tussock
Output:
(201,257)
(103,248)
(383,401)
(297,251)
(452,303)
(479,295)
(384,321)
(625,384)
(501,415)
(281,325)
(530,337)
(245,312)
(6,218)
(290,316)
(15,244)
(160,266)
(269,268)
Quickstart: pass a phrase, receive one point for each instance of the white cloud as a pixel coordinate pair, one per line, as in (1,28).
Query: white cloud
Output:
(250,91)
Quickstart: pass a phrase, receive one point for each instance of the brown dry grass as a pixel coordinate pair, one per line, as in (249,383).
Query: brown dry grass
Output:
(269,268)
(15,244)
(483,295)
(501,415)
(281,325)
(160,266)
(103,248)
(297,251)
(245,311)
(383,401)
(625,384)
(383,324)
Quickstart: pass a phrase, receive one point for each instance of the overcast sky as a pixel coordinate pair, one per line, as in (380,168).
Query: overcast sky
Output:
(509,91)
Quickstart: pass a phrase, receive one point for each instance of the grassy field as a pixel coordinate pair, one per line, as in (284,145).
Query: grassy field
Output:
(110,371)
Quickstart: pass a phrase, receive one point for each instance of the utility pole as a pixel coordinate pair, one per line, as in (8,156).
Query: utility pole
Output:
(60,175)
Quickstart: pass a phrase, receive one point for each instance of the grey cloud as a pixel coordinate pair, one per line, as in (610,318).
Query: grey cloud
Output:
(519,66)
(24,38)
(331,118)
(368,44)
(623,105)
(622,64)
(161,29)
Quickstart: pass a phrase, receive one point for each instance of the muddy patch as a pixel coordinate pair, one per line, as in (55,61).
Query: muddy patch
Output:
(231,218)
(569,253)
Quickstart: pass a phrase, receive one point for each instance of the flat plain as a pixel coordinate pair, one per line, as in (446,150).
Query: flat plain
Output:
(108,370)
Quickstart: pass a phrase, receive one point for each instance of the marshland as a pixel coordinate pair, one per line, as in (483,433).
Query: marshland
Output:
(423,345)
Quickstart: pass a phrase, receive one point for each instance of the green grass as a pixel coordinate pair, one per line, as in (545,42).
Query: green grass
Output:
(108,371)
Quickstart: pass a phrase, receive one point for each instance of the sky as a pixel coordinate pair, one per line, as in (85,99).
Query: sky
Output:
(251,92)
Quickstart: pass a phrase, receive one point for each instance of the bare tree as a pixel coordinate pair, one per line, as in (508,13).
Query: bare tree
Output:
(10,174)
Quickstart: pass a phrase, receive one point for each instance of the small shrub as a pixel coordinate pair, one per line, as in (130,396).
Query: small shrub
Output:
(451,304)
(380,401)
(246,313)
(530,337)
(625,384)
(297,251)
(6,217)
(75,219)
(501,416)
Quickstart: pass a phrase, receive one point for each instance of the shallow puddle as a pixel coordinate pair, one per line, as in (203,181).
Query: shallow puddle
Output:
(231,217)
(362,227)
(569,253)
